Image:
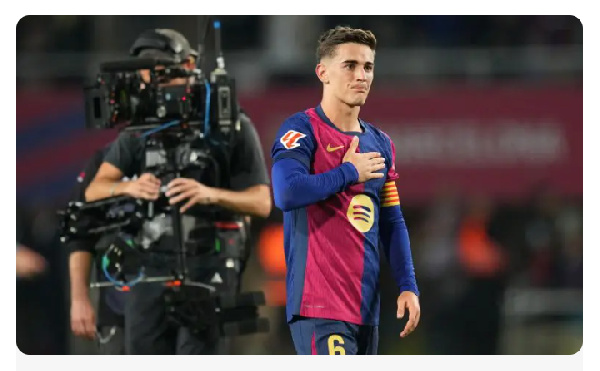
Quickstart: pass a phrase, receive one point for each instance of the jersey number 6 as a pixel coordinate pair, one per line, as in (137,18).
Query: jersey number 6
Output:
(333,348)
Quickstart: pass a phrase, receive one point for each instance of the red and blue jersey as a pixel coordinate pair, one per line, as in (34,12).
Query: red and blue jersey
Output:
(331,222)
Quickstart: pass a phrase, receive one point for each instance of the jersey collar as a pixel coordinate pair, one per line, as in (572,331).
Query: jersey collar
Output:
(326,119)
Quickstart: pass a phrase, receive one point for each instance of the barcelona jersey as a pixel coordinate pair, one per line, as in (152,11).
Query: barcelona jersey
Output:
(332,246)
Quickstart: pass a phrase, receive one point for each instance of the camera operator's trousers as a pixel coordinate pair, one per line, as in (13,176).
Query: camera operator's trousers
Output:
(147,326)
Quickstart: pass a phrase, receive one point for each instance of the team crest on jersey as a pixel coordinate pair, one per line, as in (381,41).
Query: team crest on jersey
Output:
(291,138)
(361,213)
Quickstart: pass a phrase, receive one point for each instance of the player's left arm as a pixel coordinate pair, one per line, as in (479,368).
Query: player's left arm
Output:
(396,245)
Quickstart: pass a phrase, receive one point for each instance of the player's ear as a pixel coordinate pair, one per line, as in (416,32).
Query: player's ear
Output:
(321,71)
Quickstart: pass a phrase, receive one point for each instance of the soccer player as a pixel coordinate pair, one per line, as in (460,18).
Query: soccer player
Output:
(334,177)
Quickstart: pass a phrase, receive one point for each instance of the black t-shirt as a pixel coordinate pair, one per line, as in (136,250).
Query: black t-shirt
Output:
(239,168)
(245,164)
(246,168)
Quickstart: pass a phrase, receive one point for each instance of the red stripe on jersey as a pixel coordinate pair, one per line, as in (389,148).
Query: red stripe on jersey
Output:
(336,249)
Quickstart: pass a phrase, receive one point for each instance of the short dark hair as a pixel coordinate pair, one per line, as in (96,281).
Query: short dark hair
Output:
(343,35)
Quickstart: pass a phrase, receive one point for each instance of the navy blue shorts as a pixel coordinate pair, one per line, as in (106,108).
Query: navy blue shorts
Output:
(325,336)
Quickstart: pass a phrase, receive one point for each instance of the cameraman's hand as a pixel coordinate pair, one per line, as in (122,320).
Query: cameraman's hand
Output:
(146,186)
(367,164)
(188,189)
(83,318)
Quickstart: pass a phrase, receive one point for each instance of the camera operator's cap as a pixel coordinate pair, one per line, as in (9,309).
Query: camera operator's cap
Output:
(162,43)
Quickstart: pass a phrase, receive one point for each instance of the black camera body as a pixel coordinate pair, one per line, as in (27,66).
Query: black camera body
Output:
(120,97)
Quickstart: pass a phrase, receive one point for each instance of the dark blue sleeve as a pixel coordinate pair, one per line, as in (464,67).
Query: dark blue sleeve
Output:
(396,245)
(295,139)
(295,187)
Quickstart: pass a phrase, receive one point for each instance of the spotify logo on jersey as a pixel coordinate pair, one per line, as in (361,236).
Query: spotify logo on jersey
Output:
(361,213)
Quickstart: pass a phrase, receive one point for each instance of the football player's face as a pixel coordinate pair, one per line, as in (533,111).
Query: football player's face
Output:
(349,73)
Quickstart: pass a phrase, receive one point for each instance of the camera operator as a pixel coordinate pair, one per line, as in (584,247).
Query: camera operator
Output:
(243,190)
(106,324)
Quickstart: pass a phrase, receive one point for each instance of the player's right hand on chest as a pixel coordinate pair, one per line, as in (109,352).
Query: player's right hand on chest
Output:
(146,186)
(367,164)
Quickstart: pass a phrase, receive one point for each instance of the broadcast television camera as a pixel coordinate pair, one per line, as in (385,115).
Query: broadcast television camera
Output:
(185,126)
(120,97)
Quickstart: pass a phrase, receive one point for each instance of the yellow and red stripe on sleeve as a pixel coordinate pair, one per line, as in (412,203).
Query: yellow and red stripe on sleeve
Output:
(389,195)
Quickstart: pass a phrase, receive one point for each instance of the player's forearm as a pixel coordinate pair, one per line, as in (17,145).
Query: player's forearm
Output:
(80,263)
(396,244)
(100,189)
(255,201)
(294,187)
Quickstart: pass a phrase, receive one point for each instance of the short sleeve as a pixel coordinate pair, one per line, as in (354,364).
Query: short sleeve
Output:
(294,139)
(248,161)
(126,154)
(86,176)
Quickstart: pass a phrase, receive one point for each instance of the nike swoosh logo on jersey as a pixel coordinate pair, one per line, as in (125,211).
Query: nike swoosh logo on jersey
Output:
(333,149)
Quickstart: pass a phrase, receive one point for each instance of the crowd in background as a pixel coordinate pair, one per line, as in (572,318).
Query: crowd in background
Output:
(69,33)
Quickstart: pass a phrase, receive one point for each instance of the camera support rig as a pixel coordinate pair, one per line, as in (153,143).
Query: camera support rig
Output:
(193,303)
(171,117)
